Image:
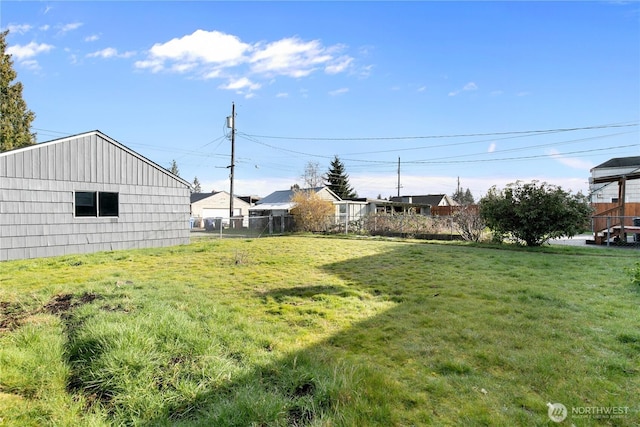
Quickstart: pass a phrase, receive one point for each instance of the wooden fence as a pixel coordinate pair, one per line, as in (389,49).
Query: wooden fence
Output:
(451,210)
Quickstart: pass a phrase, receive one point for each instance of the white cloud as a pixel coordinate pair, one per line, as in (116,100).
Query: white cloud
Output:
(214,74)
(154,65)
(23,52)
(492,147)
(496,93)
(213,54)
(30,64)
(339,91)
(110,52)
(18,28)
(339,66)
(202,47)
(471,86)
(183,68)
(70,27)
(365,71)
(571,162)
(282,95)
(241,83)
(523,93)
(422,88)
(92,38)
(44,27)
(289,57)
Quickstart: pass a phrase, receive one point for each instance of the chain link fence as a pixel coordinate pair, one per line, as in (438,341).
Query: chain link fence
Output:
(374,224)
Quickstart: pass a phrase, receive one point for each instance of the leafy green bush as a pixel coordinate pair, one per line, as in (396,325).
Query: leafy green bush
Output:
(535,212)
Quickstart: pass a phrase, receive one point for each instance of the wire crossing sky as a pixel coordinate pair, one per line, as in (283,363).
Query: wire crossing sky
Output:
(490,92)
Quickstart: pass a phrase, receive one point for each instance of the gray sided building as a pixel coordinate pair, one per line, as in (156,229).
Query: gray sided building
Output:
(87,193)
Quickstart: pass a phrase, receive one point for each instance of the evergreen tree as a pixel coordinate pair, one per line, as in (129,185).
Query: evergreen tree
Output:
(463,197)
(174,168)
(15,117)
(468,198)
(197,188)
(338,181)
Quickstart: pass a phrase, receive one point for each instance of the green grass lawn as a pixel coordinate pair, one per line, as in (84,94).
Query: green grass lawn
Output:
(318,331)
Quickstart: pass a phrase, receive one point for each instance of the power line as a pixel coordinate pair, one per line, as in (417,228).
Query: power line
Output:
(529,147)
(388,138)
(443,160)
(522,157)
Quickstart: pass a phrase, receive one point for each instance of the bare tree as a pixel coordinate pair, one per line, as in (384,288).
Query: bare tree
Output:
(312,177)
(469,223)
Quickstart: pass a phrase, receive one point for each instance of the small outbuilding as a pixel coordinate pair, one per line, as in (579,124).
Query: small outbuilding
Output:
(217,205)
(87,193)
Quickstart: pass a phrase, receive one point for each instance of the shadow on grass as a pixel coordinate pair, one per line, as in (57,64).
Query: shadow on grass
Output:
(448,331)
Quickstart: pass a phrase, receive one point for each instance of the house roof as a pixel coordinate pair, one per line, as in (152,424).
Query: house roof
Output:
(427,199)
(196,197)
(284,196)
(620,162)
(106,138)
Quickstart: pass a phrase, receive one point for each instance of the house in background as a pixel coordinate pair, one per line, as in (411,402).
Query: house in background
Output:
(615,196)
(363,206)
(216,205)
(610,172)
(273,212)
(428,204)
(434,200)
(279,203)
(87,193)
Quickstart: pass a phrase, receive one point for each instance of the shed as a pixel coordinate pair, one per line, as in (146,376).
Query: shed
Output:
(87,193)
(216,204)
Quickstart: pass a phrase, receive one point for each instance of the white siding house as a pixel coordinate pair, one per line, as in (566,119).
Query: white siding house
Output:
(279,203)
(607,192)
(216,205)
(87,193)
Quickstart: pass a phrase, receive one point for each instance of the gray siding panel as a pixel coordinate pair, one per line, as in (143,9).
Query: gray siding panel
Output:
(37,206)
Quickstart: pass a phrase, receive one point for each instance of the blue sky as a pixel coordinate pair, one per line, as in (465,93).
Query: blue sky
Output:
(490,92)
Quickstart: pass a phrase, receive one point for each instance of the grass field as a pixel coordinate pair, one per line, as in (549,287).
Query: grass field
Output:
(319,331)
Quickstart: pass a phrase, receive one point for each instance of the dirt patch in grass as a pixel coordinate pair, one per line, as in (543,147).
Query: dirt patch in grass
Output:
(61,304)
(12,315)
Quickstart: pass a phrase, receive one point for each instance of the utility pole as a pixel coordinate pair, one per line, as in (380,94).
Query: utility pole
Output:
(399,186)
(231,123)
